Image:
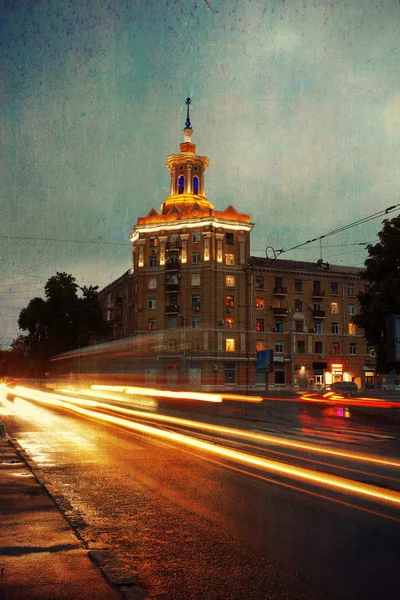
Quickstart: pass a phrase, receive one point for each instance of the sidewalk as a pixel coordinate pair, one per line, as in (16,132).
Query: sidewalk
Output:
(40,556)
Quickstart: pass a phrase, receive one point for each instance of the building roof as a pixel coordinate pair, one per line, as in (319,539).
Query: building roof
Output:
(299,265)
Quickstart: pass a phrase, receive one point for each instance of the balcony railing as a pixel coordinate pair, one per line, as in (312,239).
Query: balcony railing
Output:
(280,291)
(280,311)
(172,266)
(318,293)
(172,310)
(318,314)
(171,287)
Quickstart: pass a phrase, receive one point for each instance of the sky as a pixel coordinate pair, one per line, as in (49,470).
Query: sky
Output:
(297,105)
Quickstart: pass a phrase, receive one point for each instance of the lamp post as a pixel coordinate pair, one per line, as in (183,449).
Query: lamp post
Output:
(292,343)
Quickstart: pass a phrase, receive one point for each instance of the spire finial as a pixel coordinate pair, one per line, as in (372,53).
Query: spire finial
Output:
(187,122)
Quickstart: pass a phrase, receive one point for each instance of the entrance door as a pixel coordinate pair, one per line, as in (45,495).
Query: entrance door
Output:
(195,377)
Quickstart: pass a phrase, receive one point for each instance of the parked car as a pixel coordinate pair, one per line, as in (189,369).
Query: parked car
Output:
(346,388)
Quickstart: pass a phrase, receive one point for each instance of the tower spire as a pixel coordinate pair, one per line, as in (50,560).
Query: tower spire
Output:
(188,123)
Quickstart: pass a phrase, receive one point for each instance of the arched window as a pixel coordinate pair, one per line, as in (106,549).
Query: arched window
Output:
(195,185)
(181,184)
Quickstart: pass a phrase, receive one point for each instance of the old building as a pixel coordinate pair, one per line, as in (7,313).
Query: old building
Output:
(206,307)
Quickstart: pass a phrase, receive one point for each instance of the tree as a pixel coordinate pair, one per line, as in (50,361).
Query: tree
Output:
(382,296)
(63,321)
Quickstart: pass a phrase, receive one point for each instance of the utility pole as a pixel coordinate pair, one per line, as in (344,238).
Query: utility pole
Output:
(292,343)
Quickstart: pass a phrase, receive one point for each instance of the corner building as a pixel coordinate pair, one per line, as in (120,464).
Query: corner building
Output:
(200,307)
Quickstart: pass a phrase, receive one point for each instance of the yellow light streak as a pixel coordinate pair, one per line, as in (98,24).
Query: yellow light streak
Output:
(324,479)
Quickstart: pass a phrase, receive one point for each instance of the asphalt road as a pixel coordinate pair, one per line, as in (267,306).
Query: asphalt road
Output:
(192,523)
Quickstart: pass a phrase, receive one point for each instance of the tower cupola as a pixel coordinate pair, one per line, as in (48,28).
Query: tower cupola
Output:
(187,173)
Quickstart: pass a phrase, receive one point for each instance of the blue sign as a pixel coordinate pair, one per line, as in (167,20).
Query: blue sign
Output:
(265,361)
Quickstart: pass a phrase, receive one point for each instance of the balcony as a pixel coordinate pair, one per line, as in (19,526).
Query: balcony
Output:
(174,247)
(317,293)
(318,314)
(172,266)
(172,310)
(171,287)
(280,311)
(280,291)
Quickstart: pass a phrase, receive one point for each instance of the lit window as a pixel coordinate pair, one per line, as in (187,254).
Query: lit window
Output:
(229,239)
(229,301)
(353,349)
(260,346)
(335,348)
(195,321)
(351,329)
(335,328)
(181,184)
(318,347)
(229,323)
(151,324)
(196,237)
(153,241)
(152,302)
(195,279)
(334,287)
(259,282)
(195,185)
(230,345)
(153,261)
(195,258)
(351,309)
(279,346)
(259,324)
(301,347)
(152,283)
(350,289)
(260,303)
(229,259)
(334,308)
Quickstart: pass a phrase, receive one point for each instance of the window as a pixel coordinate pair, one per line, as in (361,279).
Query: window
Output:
(174,238)
(153,261)
(229,301)
(299,326)
(351,309)
(279,326)
(196,237)
(229,239)
(317,306)
(370,350)
(171,344)
(196,302)
(229,259)
(334,308)
(195,258)
(350,289)
(172,322)
(259,324)
(152,302)
(298,285)
(351,329)
(195,279)
(278,347)
(335,328)
(318,347)
(260,303)
(301,347)
(173,279)
(260,346)
(317,327)
(230,373)
(353,349)
(229,323)
(153,241)
(259,282)
(195,322)
(196,185)
(334,287)
(196,345)
(229,280)
(151,324)
(298,305)
(181,184)
(335,348)
(152,283)
(230,345)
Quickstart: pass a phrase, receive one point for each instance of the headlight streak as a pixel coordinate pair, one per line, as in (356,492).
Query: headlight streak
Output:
(300,473)
(332,398)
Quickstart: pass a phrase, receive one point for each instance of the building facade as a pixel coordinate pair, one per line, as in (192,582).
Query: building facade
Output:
(206,307)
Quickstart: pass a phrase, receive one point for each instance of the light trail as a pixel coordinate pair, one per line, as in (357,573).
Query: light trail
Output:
(258,437)
(300,473)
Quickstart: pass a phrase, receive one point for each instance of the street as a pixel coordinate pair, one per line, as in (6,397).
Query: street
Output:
(226,500)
